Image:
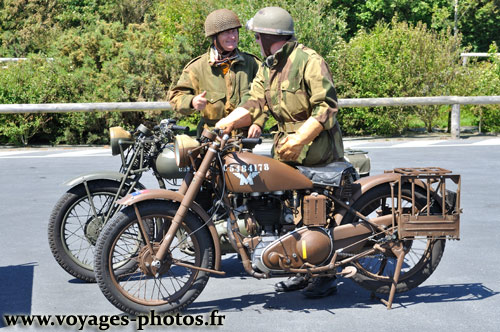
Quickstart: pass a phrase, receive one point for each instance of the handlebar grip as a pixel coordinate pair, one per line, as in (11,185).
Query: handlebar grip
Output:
(251,141)
(180,128)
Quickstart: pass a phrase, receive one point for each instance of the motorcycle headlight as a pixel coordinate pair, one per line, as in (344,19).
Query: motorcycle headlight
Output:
(119,136)
(183,144)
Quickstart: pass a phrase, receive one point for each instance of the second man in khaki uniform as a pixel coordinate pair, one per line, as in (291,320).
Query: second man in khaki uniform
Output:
(295,85)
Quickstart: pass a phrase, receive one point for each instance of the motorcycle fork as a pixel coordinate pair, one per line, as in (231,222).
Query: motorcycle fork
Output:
(112,207)
(189,197)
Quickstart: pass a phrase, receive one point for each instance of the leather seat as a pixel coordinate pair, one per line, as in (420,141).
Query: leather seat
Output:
(329,174)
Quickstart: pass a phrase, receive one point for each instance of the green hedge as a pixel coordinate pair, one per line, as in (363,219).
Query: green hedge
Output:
(131,50)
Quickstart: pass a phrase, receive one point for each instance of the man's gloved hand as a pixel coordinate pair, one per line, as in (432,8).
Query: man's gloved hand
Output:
(200,102)
(293,144)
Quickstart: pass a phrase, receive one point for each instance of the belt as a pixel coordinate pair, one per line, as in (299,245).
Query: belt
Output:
(290,127)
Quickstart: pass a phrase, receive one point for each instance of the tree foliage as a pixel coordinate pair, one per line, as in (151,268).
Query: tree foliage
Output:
(477,20)
(396,60)
(134,50)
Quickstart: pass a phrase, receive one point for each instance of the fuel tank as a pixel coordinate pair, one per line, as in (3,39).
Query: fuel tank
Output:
(246,172)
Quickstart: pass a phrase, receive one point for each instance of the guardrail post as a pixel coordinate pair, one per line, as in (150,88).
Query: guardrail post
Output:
(455,121)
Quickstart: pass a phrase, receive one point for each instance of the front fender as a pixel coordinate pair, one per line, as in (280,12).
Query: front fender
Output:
(163,194)
(99,175)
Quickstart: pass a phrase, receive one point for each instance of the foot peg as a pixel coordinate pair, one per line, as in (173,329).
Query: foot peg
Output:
(348,272)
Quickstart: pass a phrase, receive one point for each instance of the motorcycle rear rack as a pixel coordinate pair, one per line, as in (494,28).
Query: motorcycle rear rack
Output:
(443,224)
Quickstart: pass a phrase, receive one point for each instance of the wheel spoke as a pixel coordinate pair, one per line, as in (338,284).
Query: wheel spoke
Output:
(383,264)
(382,267)
(142,286)
(78,218)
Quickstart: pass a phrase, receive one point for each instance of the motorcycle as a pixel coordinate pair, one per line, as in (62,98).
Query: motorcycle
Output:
(387,232)
(79,215)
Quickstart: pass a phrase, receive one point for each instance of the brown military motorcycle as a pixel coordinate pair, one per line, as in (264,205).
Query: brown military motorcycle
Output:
(387,232)
(78,216)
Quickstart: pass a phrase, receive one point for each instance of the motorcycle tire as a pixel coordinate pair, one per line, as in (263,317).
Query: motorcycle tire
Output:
(422,255)
(170,288)
(73,229)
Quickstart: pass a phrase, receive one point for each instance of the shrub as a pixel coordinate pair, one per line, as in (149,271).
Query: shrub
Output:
(396,60)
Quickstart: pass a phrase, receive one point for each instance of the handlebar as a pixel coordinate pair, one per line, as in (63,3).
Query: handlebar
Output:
(251,141)
(180,128)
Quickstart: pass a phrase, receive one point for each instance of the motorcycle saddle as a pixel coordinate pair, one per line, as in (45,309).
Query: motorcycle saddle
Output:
(329,174)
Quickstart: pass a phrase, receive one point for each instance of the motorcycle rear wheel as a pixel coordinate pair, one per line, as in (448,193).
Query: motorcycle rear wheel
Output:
(73,228)
(171,287)
(423,255)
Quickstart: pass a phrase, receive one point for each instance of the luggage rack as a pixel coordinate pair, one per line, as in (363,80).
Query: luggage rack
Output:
(438,224)
(444,224)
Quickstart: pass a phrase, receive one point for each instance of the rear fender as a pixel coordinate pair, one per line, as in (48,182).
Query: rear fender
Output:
(365,184)
(162,194)
(101,175)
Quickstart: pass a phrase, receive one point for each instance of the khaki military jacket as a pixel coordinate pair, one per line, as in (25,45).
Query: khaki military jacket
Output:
(295,84)
(224,92)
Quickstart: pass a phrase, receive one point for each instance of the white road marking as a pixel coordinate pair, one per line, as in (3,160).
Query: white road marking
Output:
(418,144)
(16,152)
(50,153)
(81,153)
(491,141)
(353,144)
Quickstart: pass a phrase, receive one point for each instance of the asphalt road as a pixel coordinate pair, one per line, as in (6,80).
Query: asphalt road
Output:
(462,294)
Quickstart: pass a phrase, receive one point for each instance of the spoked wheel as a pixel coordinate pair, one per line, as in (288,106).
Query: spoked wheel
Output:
(169,286)
(422,255)
(75,223)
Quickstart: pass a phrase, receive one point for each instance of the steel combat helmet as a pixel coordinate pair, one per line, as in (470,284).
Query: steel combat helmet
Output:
(272,21)
(221,20)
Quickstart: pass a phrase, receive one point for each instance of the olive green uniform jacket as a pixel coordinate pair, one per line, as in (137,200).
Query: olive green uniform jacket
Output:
(224,92)
(295,84)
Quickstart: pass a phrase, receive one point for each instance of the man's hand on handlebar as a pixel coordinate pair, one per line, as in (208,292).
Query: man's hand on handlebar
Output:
(254,131)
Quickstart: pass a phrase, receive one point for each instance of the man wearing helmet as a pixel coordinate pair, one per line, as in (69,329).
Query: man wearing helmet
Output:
(296,86)
(215,82)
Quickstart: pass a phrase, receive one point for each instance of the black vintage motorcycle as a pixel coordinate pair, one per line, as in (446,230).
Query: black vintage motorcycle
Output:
(79,215)
(387,231)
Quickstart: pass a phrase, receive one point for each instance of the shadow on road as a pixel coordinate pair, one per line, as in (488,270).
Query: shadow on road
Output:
(233,267)
(349,296)
(444,293)
(16,288)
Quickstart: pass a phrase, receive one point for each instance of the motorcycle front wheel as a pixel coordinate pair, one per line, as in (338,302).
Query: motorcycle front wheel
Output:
(422,255)
(74,227)
(166,288)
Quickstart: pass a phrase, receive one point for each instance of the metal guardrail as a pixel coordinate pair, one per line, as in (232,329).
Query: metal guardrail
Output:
(465,56)
(19,59)
(2,60)
(84,107)
(455,101)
